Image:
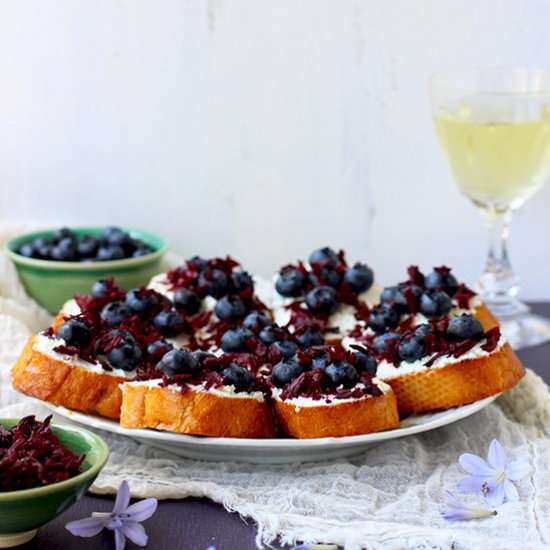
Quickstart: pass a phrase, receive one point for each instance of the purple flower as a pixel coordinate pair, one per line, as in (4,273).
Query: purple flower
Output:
(494,477)
(124,520)
(316,547)
(457,510)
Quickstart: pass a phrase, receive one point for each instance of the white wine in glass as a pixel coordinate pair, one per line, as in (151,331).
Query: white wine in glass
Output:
(494,126)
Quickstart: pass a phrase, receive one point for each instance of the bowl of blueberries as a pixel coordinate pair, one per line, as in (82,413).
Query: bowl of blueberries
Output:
(55,264)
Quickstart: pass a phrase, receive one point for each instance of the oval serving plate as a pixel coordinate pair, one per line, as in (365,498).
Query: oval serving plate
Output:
(273,451)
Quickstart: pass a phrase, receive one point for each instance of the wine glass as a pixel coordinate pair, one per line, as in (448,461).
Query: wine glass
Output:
(494,126)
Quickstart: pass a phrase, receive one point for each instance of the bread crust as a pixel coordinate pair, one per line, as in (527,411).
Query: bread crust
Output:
(485,316)
(458,383)
(194,412)
(360,416)
(44,377)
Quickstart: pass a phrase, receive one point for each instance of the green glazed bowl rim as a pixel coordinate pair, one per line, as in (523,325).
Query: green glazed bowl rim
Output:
(96,442)
(158,243)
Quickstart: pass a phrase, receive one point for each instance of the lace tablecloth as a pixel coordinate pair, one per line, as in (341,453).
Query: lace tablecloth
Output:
(391,496)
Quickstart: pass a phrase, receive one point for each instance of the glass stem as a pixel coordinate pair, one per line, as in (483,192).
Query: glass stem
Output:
(499,284)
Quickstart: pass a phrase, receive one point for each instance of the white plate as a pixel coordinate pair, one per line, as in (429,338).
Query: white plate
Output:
(274,451)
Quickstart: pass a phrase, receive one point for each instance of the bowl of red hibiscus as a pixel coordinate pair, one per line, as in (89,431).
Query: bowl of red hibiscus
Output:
(53,265)
(44,469)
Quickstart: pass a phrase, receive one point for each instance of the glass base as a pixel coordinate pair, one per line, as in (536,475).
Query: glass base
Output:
(520,327)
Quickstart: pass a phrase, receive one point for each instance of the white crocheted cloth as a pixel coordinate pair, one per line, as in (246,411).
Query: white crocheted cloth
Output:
(391,496)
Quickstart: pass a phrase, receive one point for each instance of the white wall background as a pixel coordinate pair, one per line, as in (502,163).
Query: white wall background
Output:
(259,128)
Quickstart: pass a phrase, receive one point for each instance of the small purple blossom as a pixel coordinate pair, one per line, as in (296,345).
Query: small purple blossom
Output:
(493,477)
(457,510)
(124,520)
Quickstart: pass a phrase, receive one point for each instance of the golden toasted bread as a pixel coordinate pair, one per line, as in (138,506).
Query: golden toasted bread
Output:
(485,316)
(40,375)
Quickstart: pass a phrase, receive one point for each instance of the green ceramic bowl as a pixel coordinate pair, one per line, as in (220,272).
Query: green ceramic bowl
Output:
(52,283)
(22,512)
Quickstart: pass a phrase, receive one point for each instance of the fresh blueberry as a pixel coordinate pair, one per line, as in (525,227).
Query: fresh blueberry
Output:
(87,246)
(177,361)
(323,255)
(63,233)
(142,250)
(341,373)
(125,356)
(170,323)
(196,263)
(114,312)
(157,349)
(412,349)
(64,250)
(28,250)
(383,316)
(270,334)
(214,281)
(230,307)
(310,336)
(285,371)
(286,347)
(464,327)
(99,289)
(201,356)
(363,361)
(255,321)
(241,280)
(239,377)
(234,339)
(110,252)
(435,304)
(400,296)
(380,343)
(75,332)
(140,300)
(326,275)
(422,330)
(320,359)
(290,282)
(114,235)
(441,278)
(359,277)
(187,300)
(322,299)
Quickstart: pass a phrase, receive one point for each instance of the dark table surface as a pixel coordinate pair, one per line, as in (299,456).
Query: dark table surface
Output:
(195,524)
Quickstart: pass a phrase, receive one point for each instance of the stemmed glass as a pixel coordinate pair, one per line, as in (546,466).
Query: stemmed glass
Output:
(494,126)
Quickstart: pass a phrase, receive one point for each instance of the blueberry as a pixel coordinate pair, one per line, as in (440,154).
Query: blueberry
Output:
(286,347)
(270,334)
(285,371)
(41,242)
(290,282)
(239,377)
(310,336)
(170,323)
(234,339)
(187,300)
(44,251)
(110,252)
(64,250)
(230,307)
(215,282)
(383,316)
(201,356)
(28,250)
(196,263)
(322,299)
(87,246)
(113,235)
(63,233)
(441,279)
(320,359)
(155,350)
(412,349)
(178,361)
(99,289)
(255,321)
(323,255)
(114,312)
(380,343)
(400,295)
(341,373)
(142,250)
(422,330)
(359,277)
(125,356)
(464,327)
(241,280)
(75,332)
(435,304)
(140,300)
(363,361)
